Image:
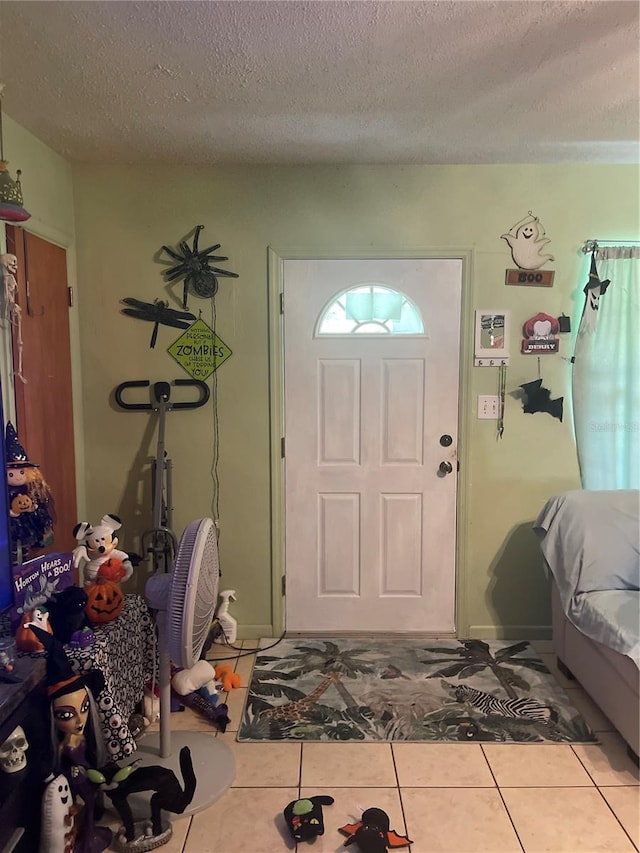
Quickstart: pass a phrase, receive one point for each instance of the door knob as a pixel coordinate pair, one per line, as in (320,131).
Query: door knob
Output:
(445,468)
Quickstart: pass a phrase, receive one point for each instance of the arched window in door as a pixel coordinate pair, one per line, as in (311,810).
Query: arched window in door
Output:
(370,309)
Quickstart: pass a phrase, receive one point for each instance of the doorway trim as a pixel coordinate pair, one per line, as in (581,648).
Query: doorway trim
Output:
(276,256)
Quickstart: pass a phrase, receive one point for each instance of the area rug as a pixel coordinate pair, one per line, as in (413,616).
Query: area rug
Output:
(407,690)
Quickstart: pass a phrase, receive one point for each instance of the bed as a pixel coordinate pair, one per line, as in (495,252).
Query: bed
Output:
(590,541)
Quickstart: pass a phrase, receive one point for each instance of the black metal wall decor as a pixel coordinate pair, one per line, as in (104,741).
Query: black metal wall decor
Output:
(538,399)
(158,313)
(194,267)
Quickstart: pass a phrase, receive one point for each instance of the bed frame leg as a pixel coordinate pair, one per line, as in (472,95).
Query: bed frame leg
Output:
(564,669)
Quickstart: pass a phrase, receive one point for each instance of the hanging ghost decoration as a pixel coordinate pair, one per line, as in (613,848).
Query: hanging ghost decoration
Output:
(526,240)
(538,399)
(593,289)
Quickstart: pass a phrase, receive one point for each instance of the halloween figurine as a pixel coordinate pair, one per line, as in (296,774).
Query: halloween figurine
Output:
(30,501)
(78,745)
(97,551)
(304,817)
(372,833)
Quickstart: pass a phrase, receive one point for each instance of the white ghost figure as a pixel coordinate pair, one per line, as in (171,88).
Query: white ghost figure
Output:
(57,834)
(526,240)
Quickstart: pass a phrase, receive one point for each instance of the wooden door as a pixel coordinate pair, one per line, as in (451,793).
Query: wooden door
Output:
(44,406)
(371,362)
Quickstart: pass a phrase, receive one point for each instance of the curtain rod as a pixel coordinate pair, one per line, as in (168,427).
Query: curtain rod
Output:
(591,245)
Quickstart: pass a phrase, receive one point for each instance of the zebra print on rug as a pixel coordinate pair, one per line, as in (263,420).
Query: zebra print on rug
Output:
(407,690)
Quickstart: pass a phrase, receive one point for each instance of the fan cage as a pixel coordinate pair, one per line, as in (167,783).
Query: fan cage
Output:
(194,592)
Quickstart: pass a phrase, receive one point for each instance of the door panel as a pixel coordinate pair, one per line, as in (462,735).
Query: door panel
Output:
(44,407)
(370,521)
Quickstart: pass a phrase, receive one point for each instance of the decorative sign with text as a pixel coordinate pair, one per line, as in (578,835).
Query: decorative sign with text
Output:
(199,351)
(540,335)
(37,580)
(530,278)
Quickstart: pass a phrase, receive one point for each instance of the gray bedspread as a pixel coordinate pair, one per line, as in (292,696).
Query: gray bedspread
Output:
(591,544)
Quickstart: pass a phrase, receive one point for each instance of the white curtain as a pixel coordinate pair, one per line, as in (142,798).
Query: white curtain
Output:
(606,375)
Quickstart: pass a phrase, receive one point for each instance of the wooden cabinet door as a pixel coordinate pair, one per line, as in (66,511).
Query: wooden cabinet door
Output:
(44,406)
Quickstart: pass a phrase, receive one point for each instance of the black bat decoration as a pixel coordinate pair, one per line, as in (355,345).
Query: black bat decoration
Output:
(538,399)
(157,312)
(194,267)
(372,834)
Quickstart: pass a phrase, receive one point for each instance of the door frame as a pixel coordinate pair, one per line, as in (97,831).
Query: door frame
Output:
(276,256)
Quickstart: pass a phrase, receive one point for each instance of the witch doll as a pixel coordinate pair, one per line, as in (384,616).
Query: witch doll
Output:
(76,738)
(31,506)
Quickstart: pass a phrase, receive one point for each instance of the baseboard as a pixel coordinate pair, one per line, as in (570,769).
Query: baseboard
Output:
(510,632)
(254,632)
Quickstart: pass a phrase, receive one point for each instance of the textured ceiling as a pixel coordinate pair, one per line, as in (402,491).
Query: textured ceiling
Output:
(300,82)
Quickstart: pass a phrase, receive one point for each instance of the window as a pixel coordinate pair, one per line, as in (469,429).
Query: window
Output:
(370,309)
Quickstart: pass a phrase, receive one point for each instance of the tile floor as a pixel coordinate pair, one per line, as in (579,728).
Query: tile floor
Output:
(449,798)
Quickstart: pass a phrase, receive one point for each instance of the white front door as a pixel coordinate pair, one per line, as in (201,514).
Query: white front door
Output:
(371,359)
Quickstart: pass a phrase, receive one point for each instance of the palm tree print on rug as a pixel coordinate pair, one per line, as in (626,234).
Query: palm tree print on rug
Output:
(407,690)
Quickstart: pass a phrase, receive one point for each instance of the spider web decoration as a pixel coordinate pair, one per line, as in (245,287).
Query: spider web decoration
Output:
(194,267)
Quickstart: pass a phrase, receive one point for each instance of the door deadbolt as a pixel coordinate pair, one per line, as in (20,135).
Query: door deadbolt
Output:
(446,440)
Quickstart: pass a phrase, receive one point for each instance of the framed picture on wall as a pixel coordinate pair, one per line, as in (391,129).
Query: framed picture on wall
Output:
(492,334)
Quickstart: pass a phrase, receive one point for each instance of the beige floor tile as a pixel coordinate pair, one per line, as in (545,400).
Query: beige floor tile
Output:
(222,653)
(458,820)
(564,820)
(625,803)
(607,762)
(441,765)
(266,764)
(593,716)
(235,702)
(551,662)
(362,765)
(347,808)
(244,820)
(535,765)
(187,721)
(244,668)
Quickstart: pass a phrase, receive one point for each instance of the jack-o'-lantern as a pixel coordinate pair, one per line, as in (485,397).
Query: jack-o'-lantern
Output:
(112,570)
(104,601)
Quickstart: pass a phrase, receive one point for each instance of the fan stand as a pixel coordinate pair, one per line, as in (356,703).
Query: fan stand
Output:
(213,761)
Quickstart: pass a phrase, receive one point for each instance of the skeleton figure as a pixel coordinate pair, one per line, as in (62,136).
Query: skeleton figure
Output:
(13,757)
(9,270)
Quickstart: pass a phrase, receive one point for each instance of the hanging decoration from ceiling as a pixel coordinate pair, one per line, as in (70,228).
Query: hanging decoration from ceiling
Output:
(526,240)
(11,209)
(538,399)
(158,313)
(194,267)
(594,289)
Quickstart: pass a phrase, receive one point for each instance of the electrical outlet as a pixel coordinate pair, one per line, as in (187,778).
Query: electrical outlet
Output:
(488,406)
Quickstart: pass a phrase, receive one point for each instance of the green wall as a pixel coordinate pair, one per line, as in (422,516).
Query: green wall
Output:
(119,217)
(125,214)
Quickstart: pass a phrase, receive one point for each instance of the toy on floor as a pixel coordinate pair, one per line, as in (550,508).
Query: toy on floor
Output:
(97,545)
(119,783)
(228,678)
(372,833)
(217,713)
(304,817)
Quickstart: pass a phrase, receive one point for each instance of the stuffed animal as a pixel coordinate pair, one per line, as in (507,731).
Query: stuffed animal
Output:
(66,612)
(372,833)
(201,674)
(98,545)
(304,817)
(227,677)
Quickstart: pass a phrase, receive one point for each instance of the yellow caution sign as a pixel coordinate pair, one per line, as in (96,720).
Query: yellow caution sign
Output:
(199,351)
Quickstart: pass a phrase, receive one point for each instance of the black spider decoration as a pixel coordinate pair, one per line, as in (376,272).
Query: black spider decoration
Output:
(157,312)
(194,268)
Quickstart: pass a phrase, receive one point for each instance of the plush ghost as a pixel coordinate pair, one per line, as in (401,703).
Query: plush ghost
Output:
(526,240)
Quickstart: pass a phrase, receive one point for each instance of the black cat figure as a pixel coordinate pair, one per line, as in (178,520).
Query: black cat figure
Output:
(120,782)
(304,817)
(372,833)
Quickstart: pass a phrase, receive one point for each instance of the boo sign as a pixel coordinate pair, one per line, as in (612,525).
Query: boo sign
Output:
(199,351)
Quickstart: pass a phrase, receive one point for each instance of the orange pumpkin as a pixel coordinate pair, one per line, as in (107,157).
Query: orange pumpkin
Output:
(26,640)
(104,601)
(112,569)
